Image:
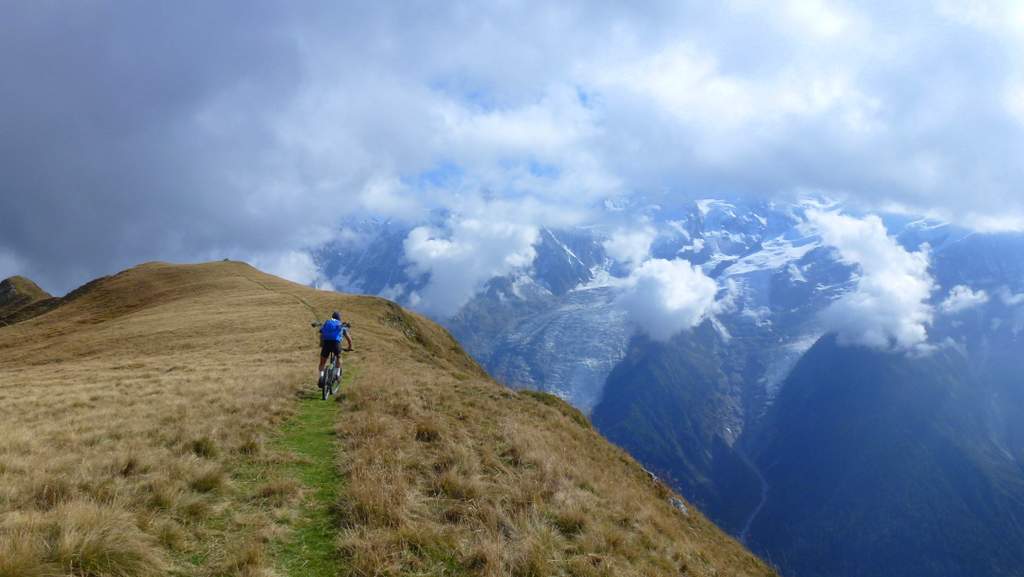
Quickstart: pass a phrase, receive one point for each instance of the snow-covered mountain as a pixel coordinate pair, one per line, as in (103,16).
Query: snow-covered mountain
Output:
(700,408)
(555,325)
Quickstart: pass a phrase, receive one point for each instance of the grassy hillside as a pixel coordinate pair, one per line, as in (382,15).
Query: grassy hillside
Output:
(161,421)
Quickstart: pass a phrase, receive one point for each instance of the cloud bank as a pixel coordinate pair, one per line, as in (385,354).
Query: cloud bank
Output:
(889,308)
(297,266)
(665,297)
(459,260)
(631,246)
(133,133)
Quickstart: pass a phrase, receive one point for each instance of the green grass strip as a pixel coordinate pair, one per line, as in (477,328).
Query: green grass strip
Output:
(310,550)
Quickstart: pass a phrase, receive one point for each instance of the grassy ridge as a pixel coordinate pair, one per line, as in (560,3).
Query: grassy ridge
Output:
(126,412)
(183,442)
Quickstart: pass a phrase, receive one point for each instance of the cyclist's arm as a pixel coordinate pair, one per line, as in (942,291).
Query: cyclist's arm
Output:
(348,339)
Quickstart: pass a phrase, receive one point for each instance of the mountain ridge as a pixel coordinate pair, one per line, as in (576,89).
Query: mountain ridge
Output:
(443,470)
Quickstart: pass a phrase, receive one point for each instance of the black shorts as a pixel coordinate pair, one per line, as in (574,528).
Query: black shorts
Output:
(328,347)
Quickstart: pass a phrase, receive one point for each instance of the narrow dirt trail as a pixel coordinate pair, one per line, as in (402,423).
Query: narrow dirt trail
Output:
(310,550)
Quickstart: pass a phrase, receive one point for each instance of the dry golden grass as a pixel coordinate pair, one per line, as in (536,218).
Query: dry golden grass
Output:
(450,473)
(123,410)
(128,412)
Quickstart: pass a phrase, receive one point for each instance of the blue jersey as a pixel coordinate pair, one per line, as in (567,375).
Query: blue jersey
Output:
(332,330)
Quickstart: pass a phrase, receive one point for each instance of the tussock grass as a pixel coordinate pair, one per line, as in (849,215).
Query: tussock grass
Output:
(278,492)
(78,538)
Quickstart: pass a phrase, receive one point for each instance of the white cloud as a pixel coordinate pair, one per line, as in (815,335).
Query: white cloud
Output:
(962,298)
(548,147)
(1015,302)
(889,308)
(548,127)
(324,118)
(815,20)
(727,116)
(387,197)
(393,292)
(987,15)
(664,297)
(1013,100)
(631,246)
(817,17)
(462,258)
(296,266)
(1010,298)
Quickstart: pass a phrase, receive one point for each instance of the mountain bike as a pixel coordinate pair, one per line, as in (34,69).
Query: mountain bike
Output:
(330,381)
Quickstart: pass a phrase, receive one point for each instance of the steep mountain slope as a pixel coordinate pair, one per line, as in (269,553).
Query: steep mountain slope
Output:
(697,409)
(140,427)
(883,464)
(450,473)
(666,403)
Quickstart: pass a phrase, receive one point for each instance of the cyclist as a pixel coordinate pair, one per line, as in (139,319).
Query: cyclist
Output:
(331,333)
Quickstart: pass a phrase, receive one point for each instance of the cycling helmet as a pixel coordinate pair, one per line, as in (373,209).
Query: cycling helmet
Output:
(336,316)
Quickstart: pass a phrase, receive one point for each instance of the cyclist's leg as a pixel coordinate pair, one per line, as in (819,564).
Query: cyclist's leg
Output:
(324,353)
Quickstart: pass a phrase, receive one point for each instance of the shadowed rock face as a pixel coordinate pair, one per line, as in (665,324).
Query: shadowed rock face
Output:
(886,464)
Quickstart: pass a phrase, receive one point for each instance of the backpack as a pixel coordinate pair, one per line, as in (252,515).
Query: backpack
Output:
(331,330)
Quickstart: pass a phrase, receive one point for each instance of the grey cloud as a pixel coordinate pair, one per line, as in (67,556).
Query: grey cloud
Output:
(105,155)
(198,129)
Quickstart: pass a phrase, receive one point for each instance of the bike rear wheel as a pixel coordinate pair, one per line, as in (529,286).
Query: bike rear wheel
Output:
(325,389)
(331,378)
(336,381)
